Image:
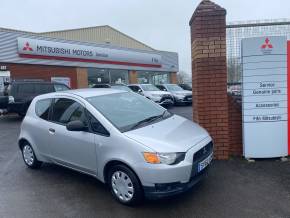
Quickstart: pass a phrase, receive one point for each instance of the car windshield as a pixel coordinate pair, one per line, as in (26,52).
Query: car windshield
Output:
(125,88)
(127,110)
(174,88)
(149,87)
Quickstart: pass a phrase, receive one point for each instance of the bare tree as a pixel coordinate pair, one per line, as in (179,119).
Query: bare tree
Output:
(183,77)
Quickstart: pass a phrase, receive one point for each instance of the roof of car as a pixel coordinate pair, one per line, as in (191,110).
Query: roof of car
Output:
(90,92)
(34,82)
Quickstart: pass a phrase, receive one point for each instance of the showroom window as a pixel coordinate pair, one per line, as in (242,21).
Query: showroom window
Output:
(98,76)
(101,76)
(119,76)
(153,77)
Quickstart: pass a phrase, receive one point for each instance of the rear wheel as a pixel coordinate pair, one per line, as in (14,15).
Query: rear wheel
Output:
(29,157)
(124,185)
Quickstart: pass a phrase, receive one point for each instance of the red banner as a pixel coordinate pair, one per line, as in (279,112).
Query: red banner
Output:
(288,84)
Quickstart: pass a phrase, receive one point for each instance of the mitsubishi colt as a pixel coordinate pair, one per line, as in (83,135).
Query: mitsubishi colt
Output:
(121,138)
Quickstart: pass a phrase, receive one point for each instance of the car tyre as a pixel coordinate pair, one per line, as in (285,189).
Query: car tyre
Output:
(124,185)
(29,157)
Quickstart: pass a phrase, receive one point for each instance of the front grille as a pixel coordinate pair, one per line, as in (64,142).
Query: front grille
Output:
(203,152)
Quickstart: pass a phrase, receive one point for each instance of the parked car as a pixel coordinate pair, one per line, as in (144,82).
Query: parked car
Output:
(130,143)
(113,86)
(153,93)
(180,95)
(21,93)
(186,86)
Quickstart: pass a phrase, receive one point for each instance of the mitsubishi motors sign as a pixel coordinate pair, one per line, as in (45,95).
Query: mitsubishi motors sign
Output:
(42,49)
(265,97)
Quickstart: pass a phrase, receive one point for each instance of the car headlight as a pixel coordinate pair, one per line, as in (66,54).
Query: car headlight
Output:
(164,158)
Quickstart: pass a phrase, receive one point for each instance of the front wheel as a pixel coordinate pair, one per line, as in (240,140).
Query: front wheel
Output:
(29,157)
(124,185)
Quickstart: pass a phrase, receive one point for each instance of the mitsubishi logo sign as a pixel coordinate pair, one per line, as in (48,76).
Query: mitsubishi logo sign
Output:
(267,44)
(27,47)
(267,47)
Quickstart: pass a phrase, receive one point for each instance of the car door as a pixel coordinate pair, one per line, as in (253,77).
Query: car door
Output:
(75,149)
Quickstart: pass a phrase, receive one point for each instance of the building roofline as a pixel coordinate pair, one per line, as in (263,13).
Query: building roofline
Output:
(84,28)
(15,30)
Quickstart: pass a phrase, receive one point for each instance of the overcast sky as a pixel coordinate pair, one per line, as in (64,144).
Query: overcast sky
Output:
(161,24)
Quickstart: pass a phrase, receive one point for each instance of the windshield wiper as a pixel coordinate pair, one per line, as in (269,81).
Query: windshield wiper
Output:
(147,120)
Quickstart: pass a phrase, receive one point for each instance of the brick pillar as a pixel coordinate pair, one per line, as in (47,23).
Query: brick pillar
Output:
(82,78)
(209,73)
(133,79)
(173,77)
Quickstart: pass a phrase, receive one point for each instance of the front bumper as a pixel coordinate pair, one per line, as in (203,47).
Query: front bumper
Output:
(186,99)
(166,180)
(165,100)
(171,189)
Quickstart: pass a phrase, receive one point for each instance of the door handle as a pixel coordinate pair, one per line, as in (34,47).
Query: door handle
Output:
(51,131)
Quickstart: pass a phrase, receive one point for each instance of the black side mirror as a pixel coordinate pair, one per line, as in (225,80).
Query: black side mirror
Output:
(76,126)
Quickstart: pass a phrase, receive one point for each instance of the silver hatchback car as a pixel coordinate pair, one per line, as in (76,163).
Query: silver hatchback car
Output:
(123,139)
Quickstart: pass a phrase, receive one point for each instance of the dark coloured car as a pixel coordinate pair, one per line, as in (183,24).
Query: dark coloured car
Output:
(186,86)
(21,93)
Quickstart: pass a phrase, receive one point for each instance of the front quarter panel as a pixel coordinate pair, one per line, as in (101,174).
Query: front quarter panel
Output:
(119,148)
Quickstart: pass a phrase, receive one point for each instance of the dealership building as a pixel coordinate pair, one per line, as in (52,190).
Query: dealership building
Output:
(83,57)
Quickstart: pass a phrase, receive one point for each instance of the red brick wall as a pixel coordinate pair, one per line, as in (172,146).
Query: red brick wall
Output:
(44,72)
(209,74)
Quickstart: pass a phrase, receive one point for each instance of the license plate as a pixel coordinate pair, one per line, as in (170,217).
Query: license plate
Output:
(189,99)
(202,165)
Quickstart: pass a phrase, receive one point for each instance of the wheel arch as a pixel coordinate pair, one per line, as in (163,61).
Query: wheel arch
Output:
(24,140)
(112,163)
(21,143)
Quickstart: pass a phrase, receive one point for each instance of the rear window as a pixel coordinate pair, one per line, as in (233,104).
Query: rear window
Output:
(42,108)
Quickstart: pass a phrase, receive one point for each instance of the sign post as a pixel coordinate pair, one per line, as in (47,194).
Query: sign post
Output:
(265,97)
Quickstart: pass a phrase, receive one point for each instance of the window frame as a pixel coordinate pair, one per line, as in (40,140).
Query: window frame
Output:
(53,103)
(86,111)
(49,111)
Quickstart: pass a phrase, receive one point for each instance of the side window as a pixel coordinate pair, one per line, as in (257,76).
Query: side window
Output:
(67,110)
(42,108)
(43,88)
(96,126)
(59,88)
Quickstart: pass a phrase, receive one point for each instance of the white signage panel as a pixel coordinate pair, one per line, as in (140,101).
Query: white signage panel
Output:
(42,49)
(265,111)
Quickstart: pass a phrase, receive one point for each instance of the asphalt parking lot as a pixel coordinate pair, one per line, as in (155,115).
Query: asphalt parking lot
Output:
(233,188)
